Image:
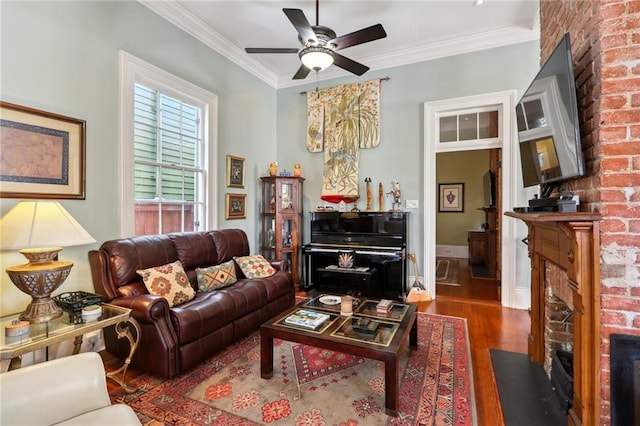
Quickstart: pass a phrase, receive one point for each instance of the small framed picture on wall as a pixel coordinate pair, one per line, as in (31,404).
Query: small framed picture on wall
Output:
(236,206)
(451,197)
(235,172)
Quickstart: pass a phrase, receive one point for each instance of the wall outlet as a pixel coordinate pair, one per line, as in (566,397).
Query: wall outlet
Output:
(411,204)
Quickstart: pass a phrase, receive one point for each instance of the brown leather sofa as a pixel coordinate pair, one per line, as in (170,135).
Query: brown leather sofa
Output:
(174,340)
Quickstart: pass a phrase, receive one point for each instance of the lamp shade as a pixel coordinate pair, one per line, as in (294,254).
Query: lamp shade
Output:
(316,57)
(32,224)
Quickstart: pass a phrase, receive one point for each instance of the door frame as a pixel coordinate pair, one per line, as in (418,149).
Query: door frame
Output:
(506,103)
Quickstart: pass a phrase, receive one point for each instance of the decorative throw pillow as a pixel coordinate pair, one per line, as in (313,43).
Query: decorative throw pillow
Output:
(216,277)
(255,266)
(169,281)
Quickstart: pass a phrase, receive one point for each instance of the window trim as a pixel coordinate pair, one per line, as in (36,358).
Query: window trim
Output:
(134,70)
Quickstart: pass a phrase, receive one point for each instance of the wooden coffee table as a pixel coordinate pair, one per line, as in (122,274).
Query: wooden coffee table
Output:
(337,334)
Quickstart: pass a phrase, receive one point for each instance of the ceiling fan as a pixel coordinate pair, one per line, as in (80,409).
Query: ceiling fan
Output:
(320,45)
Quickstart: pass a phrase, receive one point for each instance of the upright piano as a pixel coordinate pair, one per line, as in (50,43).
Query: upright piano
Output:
(378,242)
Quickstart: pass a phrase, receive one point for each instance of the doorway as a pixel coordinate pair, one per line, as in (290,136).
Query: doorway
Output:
(505,103)
(466,249)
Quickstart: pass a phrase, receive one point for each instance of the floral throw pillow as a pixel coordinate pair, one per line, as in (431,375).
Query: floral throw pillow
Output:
(169,281)
(255,266)
(216,277)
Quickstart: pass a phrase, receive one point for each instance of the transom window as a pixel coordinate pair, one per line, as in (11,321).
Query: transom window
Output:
(479,124)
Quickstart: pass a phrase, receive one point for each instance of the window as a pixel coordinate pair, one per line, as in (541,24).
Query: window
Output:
(480,124)
(167,152)
(168,169)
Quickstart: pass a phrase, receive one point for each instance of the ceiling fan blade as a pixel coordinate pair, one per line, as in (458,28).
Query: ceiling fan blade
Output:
(297,18)
(271,50)
(364,35)
(302,73)
(349,64)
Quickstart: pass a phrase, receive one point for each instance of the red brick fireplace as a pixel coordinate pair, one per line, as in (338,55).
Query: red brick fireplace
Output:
(558,314)
(605,37)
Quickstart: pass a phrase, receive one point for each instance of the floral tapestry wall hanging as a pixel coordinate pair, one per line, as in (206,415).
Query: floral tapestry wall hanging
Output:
(341,120)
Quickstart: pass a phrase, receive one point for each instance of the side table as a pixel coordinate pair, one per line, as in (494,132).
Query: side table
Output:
(45,334)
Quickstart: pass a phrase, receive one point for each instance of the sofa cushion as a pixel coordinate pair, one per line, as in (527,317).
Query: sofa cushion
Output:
(217,276)
(211,311)
(255,266)
(169,281)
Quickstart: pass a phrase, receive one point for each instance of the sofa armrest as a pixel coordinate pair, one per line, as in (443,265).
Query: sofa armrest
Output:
(54,391)
(158,342)
(280,265)
(145,308)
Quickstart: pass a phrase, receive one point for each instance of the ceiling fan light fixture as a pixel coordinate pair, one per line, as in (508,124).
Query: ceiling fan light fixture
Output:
(316,57)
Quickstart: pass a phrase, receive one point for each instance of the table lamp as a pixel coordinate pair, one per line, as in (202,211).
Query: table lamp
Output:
(40,229)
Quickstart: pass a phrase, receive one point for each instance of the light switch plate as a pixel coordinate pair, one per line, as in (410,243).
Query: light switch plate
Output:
(411,204)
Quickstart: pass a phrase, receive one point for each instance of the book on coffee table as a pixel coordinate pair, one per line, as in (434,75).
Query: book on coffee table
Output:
(307,319)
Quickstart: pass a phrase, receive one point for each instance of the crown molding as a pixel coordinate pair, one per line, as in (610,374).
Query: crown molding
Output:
(467,43)
(179,16)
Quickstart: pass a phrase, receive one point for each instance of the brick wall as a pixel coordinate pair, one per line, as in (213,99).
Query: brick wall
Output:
(605,36)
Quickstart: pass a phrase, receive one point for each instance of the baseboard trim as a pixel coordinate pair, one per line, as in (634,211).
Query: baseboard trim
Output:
(460,252)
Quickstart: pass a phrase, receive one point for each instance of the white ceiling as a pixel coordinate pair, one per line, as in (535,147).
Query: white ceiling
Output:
(417,30)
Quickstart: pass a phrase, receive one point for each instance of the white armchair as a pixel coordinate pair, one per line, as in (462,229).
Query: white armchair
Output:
(70,391)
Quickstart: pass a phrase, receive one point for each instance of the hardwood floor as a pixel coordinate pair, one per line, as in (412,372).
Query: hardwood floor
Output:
(470,287)
(489,325)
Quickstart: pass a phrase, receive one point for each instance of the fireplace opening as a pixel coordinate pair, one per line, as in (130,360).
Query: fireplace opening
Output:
(625,379)
(562,378)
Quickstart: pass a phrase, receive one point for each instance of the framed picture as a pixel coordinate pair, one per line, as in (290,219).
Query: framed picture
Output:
(236,206)
(451,197)
(235,172)
(43,154)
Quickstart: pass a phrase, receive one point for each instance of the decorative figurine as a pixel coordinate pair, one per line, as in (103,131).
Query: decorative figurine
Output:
(380,197)
(273,168)
(396,194)
(297,170)
(369,196)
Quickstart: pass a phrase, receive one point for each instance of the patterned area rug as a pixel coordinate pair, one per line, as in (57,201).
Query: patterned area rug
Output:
(312,386)
(447,272)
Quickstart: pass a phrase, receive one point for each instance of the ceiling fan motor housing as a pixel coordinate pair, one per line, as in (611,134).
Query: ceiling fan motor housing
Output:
(323,35)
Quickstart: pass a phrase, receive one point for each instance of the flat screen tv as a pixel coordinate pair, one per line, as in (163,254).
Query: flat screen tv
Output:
(489,187)
(548,127)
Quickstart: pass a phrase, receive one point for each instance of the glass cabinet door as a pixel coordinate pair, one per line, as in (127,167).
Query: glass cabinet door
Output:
(288,202)
(269,197)
(281,220)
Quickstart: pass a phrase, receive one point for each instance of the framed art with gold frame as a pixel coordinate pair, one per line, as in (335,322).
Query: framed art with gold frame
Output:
(235,206)
(235,172)
(43,154)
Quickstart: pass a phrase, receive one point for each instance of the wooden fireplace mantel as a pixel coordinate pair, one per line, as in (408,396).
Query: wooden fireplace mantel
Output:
(572,242)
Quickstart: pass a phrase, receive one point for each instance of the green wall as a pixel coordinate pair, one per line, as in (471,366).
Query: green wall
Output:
(63,57)
(401,151)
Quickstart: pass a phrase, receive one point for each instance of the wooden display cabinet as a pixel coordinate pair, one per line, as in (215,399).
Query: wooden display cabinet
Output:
(281,220)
